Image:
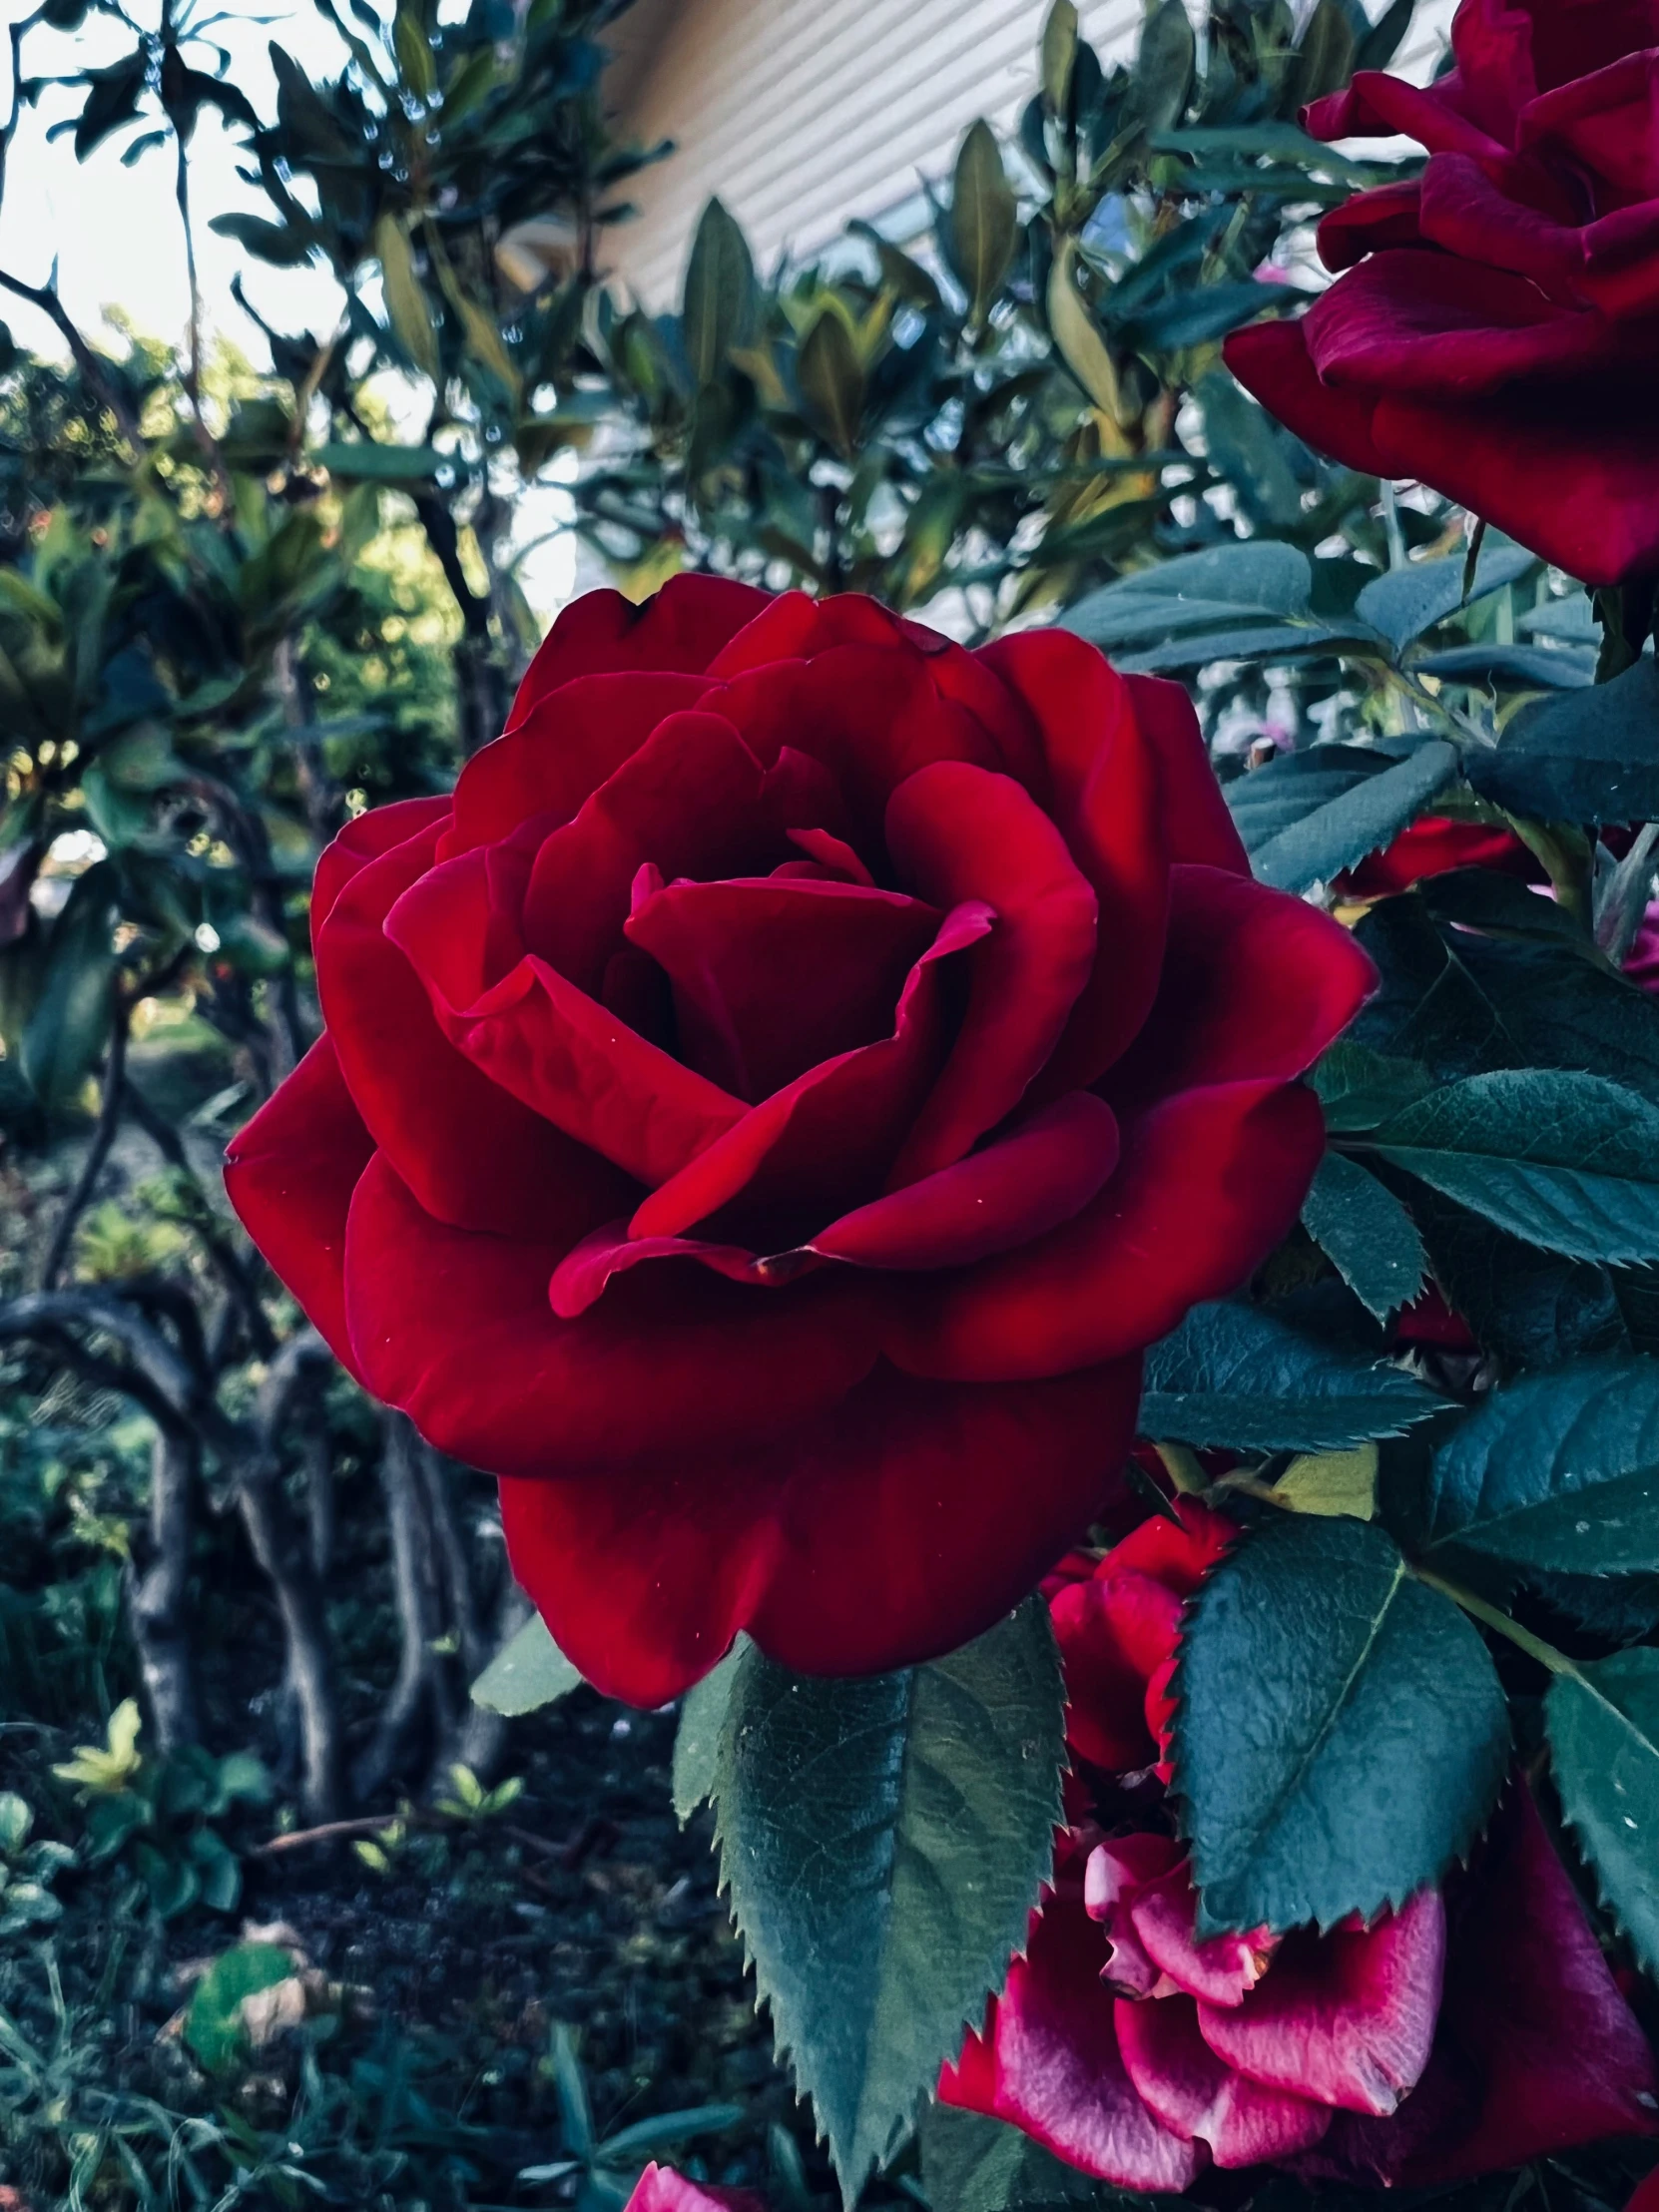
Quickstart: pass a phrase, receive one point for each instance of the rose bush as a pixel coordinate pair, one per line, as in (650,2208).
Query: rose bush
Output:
(1495,328)
(1467,2031)
(765,1111)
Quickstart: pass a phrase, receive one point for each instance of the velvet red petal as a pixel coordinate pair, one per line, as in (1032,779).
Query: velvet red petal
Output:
(563,750)
(1192,2091)
(688,802)
(289,1174)
(473,1155)
(1272,363)
(772,977)
(1198,823)
(1110,803)
(1116,1871)
(683,627)
(1178,1552)
(1113,1633)
(1370,219)
(672,1361)
(1587,496)
(1056,2069)
(832,1134)
(880,1532)
(1254,984)
(1207,1183)
(956,832)
(365,838)
(1531,2004)
(1346,2018)
(1030,1180)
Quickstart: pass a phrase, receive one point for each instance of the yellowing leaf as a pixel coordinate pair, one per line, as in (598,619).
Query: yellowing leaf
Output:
(1082,348)
(406,303)
(1332,1482)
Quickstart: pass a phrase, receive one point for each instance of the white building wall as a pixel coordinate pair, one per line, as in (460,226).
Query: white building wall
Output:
(802,114)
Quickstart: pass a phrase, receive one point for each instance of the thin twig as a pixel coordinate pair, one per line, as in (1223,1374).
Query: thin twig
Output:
(109,1121)
(99,382)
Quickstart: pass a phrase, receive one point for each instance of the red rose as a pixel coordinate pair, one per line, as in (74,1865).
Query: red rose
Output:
(1458,2035)
(766,1112)
(1433,846)
(661,2189)
(1496,335)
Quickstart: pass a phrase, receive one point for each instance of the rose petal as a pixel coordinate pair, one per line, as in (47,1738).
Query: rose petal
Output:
(1208,1184)
(1409,322)
(659,2189)
(1116,1872)
(876,1534)
(1270,360)
(565,747)
(1372,219)
(474,1156)
(1221,1970)
(674,1361)
(1113,1633)
(365,838)
(1103,769)
(1179,1552)
(682,627)
(1029,1181)
(1346,2018)
(1053,2066)
(1254,984)
(1376,104)
(956,832)
(831,1134)
(289,1174)
(1179,2077)
(1196,820)
(772,977)
(687,801)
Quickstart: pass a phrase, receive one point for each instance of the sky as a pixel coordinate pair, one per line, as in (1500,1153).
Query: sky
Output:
(116,234)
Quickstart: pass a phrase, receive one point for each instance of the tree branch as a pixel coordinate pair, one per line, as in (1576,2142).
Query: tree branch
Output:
(109,1120)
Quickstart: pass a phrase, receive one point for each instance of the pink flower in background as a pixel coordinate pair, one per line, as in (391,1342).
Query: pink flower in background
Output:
(1474,2029)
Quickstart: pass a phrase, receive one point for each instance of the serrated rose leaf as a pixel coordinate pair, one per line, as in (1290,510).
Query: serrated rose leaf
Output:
(1340,1734)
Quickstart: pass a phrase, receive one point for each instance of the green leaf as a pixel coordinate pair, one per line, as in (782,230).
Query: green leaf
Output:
(1378,47)
(1531,667)
(1233,1377)
(1163,67)
(697,1739)
(69,1022)
(1366,1232)
(985,218)
(1059,46)
(1080,343)
(1409,600)
(1369,808)
(1226,584)
(407,306)
(718,302)
(973,2163)
(357,462)
(1325,52)
(831,380)
(1589,756)
(1558,1470)
(883,1841)
(1379,1734)
(1279,641)
(415,53)
(214,2026)
(1358,1086)
(1603,1724)
(528,1672)
(1567,1162)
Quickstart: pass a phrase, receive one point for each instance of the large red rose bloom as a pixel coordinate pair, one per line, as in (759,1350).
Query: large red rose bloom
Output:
(1497,331)
(766,1112)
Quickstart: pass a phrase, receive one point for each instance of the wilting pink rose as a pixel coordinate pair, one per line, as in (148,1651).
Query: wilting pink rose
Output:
(1496,332)
(1467,2031)
(765,1111)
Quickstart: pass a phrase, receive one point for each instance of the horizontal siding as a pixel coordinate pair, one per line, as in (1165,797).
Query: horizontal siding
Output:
(802,113)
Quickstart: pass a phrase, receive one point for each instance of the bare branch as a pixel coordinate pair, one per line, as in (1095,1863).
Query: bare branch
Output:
(109,1121)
